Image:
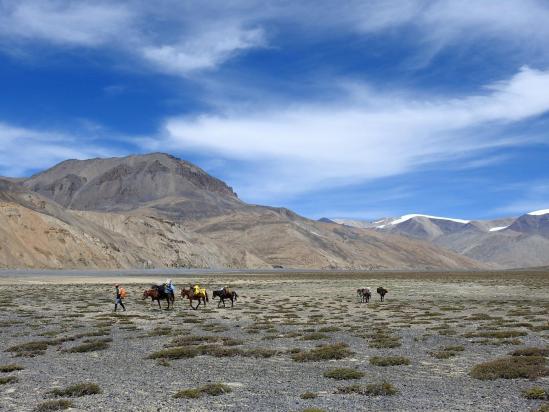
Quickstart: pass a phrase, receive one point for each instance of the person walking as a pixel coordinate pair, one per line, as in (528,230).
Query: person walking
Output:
(118,299)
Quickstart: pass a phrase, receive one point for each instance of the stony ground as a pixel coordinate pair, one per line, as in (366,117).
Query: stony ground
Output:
(55,333)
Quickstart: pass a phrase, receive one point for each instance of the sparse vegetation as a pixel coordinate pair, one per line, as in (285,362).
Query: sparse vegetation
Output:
(373,389)
(308,395)
(12,367)
(343,374)
(514,367)
(54,405)
(4,380)
(535,392)
(325,352)
(389,360)
(214,389)
(76,390)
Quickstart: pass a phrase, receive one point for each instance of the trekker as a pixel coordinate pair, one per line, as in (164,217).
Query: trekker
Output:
(169,287)
(118,299)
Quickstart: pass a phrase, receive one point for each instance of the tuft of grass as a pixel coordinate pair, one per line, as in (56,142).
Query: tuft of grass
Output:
(10,368)
(308,395)
(324,352)
(535,392)
(314,336)
(373,389)
(389,360)
(30,348)
(4,380)
(514,367)
(543,408)
(77,390)
(183,352)
(343,374)
(89,346)
(381,389)
(498,334)
(531,351)
(55,405)
(384,340)
(212,389)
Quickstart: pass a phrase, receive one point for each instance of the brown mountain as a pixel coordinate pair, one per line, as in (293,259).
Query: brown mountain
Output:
(159,211)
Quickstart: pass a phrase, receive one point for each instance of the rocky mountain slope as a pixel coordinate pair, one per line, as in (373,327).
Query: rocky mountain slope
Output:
(159,211)
(508,242)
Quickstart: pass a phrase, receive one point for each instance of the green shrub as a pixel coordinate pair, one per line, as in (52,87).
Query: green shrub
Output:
(535,393)
(389,360)
(213,389)
(324,352)
(514,367)
(55,405)
(10,368)
(343,374)
(77,390)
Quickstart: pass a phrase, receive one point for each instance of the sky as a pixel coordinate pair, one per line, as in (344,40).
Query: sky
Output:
(347,109)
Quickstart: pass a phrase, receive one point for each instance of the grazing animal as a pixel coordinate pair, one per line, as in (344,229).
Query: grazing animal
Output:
(364,294)
(223,294)
(157,293)
(201,297)
(382,292)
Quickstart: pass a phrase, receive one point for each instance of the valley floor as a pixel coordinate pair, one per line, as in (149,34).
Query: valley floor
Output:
(59,330)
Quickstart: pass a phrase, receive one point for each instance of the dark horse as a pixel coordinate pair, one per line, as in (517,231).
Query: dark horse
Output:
(201,297)
(364,294)
(382,292)
(157,293)
(223,294)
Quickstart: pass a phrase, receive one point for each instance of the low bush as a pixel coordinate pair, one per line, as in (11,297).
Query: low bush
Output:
(514,367)
(389,360)
(77,390)
(343,374)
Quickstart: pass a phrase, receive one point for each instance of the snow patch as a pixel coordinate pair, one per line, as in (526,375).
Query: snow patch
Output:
(408,217)
(495,229)
(539,212)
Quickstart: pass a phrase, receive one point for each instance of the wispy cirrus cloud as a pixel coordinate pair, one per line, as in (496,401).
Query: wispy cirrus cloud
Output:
(181,38)
(297,148)
(25,150)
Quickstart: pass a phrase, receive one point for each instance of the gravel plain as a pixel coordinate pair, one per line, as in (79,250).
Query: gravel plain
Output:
(254,348)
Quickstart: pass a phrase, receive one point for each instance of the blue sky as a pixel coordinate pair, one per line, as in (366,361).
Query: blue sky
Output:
(357,109)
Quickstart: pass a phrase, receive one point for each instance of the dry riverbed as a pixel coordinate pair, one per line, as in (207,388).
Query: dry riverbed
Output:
(292,342)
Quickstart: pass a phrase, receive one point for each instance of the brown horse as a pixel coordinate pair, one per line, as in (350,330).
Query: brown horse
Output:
(189,294)
(223,294)
(157,293)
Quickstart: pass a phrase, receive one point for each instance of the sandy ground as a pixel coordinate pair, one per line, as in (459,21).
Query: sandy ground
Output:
(254,347)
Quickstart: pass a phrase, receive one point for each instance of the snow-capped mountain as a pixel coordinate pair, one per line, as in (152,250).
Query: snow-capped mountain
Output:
(510,242)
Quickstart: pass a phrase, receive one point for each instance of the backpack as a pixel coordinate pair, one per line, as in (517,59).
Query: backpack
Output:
(123,293)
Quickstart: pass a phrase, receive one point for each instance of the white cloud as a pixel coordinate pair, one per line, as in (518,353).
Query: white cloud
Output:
(184,37)
(206,51)
(295,149)
(23,150)
(62,22)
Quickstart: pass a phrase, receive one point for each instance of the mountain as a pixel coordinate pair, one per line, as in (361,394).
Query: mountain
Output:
(507,242)
(157,181)
(159,211)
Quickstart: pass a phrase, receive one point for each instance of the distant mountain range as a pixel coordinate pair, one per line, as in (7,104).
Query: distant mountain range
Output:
(509,243)
(156,210)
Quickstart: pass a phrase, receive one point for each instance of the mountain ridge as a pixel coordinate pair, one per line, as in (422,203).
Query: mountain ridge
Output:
(156,210)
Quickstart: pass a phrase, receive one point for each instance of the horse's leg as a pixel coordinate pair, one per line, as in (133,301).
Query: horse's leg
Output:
(158,301)
(232,302)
